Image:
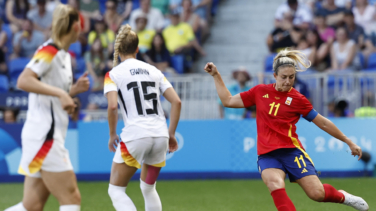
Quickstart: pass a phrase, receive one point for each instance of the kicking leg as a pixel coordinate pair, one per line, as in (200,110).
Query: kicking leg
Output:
(274,180)
(34,197)
(121,174)
(316,191)
(149,175)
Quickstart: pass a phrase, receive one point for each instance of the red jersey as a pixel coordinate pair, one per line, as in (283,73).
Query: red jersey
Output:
(276,116)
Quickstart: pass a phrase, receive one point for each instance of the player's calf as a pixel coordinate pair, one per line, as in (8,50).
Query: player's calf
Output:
(316,194)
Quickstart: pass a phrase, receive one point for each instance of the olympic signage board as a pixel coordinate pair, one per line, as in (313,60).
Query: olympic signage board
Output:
(207,149)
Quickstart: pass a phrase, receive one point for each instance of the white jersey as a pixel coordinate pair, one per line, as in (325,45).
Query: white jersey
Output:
(139,86)
(46,119)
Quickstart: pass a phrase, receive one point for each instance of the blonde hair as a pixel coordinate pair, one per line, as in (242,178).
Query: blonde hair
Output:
(126,42)
(293,58)
(62,20)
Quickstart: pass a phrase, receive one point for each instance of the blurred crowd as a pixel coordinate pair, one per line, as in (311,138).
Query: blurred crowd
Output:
(334,34)
(170,33)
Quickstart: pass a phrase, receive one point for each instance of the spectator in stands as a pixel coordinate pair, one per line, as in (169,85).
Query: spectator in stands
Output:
(41,18)
(334,14)
(188,16)
(162,5)
(16,13)
(155,17)
(51,5)
(342,52)
(302,14)
(145,36)
(242,76)
(341,109)
(3,49)
(85,20)
(327,33)
(304,47)
(10,115)
(357,34)
(200,7)
(368,109)
(90,108)
(124,9)
(250,113)
(96,63)
(106,36)
(321,58)
(179,36)
(90,8)
(158,55)
(286,35)
(365,15)
(112,19)
(26,42)
(301,87)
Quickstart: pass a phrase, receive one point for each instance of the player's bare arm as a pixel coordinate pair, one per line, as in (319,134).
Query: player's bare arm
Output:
(224,94)
(328,126)
(175,101)
(112,112)
(28,81)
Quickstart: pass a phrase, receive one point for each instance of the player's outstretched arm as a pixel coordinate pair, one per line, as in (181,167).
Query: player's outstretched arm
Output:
(328,126)
(227,99)
(175,101)
(112,112)
(28,81)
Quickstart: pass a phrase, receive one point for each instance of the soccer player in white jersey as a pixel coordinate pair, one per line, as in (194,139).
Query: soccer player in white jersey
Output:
(145,138)
(48,77)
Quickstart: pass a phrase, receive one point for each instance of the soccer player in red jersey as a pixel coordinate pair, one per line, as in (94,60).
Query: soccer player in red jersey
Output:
(278,108)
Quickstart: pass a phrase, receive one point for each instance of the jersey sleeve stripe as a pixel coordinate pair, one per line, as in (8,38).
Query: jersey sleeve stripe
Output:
(46,53)
(107,79)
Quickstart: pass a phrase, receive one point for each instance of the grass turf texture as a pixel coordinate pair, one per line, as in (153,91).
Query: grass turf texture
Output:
(205,195)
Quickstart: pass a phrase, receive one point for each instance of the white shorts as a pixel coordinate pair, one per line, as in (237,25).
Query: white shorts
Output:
(49,155)
(151,151)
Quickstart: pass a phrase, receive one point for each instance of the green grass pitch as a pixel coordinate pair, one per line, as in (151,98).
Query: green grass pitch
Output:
(205,195)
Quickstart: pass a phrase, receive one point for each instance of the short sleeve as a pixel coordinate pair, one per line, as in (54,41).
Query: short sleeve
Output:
(190,33)
(111,36)
(304,106)
(91,37)
(41,61)
(164,84)
(249,97)
(109,84)
(279,13)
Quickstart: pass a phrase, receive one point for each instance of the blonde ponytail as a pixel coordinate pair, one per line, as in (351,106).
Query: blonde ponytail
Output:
(293,58)
(126,43)
(61,23)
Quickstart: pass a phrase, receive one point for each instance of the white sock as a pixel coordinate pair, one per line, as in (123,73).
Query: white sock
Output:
(120,199)
(17,207)
(151,197)
(71,207)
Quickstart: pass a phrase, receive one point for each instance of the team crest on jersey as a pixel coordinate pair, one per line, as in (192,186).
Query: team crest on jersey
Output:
(288,101)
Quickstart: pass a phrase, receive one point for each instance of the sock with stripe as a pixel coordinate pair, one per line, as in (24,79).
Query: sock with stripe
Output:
(332,194)
(70,207)
(17,207)
(282,201)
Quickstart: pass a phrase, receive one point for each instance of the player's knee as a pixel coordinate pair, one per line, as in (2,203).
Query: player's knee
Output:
(73,197)
(317,194)
(275,184)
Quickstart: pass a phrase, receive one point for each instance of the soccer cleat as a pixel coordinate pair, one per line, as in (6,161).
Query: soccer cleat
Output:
(354,201)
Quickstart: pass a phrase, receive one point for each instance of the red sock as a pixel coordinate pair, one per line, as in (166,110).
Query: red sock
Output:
(332,194)
(282,200)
